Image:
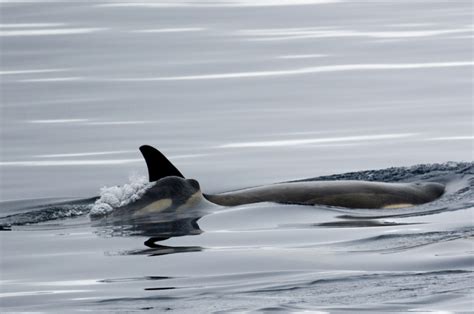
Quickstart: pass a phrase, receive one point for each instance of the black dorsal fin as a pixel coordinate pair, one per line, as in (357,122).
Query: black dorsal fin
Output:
(158,165)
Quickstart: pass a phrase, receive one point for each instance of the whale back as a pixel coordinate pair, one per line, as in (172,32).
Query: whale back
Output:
(349,194)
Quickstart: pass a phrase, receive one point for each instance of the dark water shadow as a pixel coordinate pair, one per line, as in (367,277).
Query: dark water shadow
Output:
(356,223)
(156,228)
(406,214)
(159,250)
(135,279)
(361,224)
(159,228)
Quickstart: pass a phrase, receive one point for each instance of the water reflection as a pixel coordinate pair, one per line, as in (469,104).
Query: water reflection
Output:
(158,250)
(359,224)
(156,229)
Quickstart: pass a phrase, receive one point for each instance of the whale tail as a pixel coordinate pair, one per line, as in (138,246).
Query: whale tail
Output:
(158,165)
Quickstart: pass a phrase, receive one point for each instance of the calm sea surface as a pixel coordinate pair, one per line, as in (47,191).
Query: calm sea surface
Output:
(236,94)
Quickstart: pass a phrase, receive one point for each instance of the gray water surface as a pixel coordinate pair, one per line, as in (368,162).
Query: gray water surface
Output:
(236,94)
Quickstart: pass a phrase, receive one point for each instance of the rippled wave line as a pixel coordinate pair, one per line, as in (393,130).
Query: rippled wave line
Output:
(54,121)
(453,138)
(308,70)
(30,25)
(53,79)
(217,4)
(306,56)
(292,34)
(85,162)
(48,32)
(257,74)
(32,71)
(85,154)
(44,163)
(171,30)
(317,140)
(36,293)
(359,278)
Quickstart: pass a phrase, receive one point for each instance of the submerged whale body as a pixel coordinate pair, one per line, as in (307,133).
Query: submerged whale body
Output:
(172,191)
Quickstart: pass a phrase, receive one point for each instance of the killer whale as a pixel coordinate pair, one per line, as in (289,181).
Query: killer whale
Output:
(173,191)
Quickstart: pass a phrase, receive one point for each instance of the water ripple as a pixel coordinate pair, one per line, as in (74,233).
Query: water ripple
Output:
(318,32)
(307,70)
(222,3)
(317,140)
(49,32)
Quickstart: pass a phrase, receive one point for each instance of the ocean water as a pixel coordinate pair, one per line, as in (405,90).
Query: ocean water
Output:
(236,94)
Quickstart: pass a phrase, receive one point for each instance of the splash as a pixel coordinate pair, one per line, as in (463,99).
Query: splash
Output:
(118,196)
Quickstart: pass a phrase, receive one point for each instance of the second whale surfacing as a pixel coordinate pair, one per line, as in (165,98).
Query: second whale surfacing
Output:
(350,194)
(171,191)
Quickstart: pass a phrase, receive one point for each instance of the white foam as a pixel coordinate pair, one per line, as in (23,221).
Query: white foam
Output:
(117,196)
(297,142)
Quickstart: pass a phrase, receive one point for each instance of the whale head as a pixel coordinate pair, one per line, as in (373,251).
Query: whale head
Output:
(170,194)
(432,190)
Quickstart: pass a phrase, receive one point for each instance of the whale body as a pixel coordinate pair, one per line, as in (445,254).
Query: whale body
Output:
(173,191)
(350,194)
